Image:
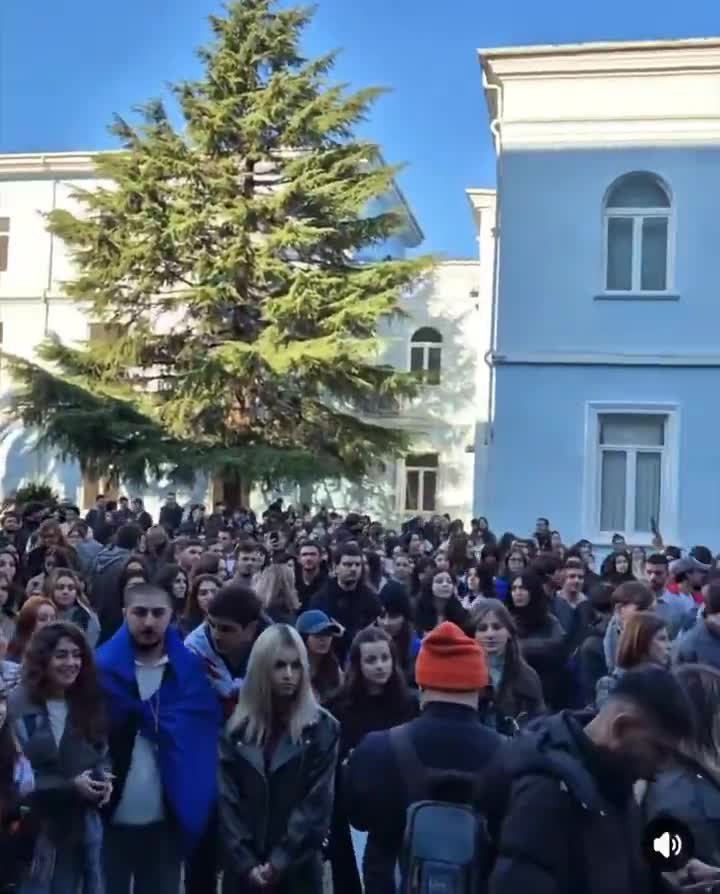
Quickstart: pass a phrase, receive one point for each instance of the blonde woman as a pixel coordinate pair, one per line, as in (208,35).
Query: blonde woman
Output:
(275,586)
(277,766)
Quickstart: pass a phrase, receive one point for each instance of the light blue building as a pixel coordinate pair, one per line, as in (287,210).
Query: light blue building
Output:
(605,351)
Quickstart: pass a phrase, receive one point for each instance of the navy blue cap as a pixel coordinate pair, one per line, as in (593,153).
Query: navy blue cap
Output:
(315,622)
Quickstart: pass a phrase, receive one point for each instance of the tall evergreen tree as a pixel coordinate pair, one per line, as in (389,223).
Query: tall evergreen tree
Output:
(243,331)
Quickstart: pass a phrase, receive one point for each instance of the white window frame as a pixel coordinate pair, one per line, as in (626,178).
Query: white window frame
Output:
(402,489)
(638,215)
(426,346)
(670,467)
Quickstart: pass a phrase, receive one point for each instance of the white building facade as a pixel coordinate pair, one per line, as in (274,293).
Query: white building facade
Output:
(443,338)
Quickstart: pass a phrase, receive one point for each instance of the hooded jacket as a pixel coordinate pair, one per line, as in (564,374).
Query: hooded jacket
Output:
(568,821)
(105,574)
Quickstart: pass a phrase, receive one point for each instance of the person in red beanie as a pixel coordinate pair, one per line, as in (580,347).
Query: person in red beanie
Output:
(451,672)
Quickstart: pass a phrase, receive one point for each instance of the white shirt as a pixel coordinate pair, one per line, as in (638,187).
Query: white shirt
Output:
(142,797)
(57,709)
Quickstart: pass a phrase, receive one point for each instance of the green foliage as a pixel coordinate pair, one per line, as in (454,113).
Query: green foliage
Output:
(244,335)
(35,492)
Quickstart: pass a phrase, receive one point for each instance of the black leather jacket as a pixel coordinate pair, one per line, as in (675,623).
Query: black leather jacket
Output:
(278,813)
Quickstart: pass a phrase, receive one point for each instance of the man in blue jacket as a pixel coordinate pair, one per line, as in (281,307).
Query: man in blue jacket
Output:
(448,736)
(701,644)
(164,726)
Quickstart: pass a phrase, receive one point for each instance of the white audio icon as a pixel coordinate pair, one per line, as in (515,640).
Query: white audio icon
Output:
(667,845)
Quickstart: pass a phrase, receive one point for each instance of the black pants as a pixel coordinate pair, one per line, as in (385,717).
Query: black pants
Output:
(145,858)
(201,870)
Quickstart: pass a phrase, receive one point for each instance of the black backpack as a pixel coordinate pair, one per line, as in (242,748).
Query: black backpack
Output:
(447,848)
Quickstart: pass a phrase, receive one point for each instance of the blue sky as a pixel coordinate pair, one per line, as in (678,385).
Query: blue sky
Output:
(66,67)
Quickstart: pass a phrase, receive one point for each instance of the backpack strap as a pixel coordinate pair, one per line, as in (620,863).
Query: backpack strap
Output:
(415,774)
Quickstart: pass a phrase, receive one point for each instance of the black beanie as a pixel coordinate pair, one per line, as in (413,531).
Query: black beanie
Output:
(395,599)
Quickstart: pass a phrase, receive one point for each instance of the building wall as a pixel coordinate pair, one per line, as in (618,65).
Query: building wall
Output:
(542,456)
(442,419)
(570,121)
(551,253)
(33,304)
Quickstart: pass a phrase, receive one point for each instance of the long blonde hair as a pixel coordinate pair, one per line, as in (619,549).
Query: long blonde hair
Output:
(276,587)
(255,703)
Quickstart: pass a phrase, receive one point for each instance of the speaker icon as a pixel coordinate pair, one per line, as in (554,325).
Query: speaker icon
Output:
(668,845)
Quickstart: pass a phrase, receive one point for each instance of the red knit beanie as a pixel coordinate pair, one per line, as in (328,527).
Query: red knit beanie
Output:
(451,661)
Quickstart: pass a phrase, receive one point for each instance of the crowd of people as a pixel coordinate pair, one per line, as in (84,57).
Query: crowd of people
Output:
(260,699)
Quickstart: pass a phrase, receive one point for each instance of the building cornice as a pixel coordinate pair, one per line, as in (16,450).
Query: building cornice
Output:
(603,58)
(569,358)
(482,201)
(606,94)
(49,162)
(458,262)
(67,163)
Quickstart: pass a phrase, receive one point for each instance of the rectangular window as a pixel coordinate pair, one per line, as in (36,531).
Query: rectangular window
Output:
(4,243)
(421,478)
(637,252)
(432,374)
(653,273)
(426,356)
(417,361)
(620,254)
(103,333)
(632,452)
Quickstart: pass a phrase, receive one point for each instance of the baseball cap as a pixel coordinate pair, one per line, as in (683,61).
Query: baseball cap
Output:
(687,564)
(316,622)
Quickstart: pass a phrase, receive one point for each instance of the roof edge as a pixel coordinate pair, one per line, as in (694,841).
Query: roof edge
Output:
(568,49)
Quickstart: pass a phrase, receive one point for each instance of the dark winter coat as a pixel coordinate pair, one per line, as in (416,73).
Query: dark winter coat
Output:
(353,609)
(56,802)
(445,737)
(279,814)
(171,517)
(518,699)
(544,648)
(142,519)
(567,821)
(306,592)
(690,794)
(368,714)
(576,620)
(591,658)
(357,718)
(426,617)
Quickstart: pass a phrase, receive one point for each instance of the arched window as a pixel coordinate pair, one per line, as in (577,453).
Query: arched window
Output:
(426,355)
(637,235)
